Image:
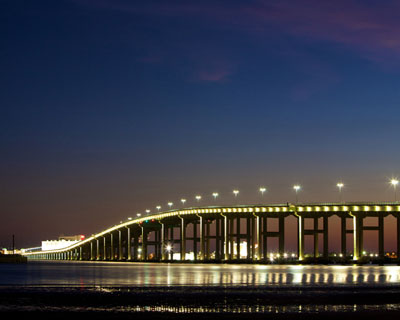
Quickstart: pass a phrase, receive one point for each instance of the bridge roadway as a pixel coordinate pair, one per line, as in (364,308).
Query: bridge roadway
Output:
(129,241)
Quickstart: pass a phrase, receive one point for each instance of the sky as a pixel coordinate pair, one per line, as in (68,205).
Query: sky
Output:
(112,107)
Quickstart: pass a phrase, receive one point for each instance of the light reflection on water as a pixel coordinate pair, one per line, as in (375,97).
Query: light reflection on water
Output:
(154,274)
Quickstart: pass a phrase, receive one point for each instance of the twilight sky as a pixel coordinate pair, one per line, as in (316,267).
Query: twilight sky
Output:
(111,107)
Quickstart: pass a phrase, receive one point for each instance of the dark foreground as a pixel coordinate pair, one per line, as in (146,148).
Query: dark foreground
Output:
(201,302)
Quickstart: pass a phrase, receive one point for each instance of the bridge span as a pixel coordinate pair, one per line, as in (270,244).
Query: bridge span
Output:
(130,240)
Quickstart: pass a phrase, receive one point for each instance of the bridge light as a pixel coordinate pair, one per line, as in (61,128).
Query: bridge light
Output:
(183,201)
(158,208)
(394,183)
(215,195)
(198,198)
(235,192)
(138,214)
(340,185)
(168,248)
(170,204)
(296,188)
(147,211)
(262,190)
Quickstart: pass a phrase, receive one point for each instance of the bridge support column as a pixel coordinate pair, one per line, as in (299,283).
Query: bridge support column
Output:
(281,236)
(343,235)
(112,254)
(249,236)
(398,236)
(144,244)
(120,255)
(357,237)
(104,248)
(128,244)
(326,238)
(257,239)
(381,237)
(97,249)
(226,238)
(218,238)
(80,253)
(202,244)
(195,240)
(163,233)
(265,239)
(91,250)
(316,235)
(300,242)
(183,240)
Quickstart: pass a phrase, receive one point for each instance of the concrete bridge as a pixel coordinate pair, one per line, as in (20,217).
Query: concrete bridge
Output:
(223,227)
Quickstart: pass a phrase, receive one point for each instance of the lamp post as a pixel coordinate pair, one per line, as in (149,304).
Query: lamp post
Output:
(262,190)
(158,208)
(198,198)
(394,183)
(170,204)
(138,214)
(215,195)
(147,211)
(296,189)
(340,185)
(183,201)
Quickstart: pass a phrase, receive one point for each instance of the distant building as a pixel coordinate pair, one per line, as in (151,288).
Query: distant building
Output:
(61,243)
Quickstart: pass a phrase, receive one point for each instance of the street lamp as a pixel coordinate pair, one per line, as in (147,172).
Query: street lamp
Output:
(170,204)
(158,208)
(215,195)
(138,214)
(262,190)
(394,183)
(183,201)
(296,189)
(198,198)
(340,185)
(147,211)
(235,192)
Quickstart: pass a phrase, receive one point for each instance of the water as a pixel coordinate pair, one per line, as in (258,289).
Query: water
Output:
(198,288)
(114,274)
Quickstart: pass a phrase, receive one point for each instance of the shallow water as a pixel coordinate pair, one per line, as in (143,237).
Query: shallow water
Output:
(122,274)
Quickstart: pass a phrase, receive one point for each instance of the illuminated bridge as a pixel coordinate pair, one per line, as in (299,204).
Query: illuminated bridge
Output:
(222,228)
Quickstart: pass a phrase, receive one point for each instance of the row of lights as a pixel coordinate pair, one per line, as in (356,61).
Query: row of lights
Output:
(262,190)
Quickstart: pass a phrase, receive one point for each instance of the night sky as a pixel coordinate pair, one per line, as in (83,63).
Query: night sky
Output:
(111,107)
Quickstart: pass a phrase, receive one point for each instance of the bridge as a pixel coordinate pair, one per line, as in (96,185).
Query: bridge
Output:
(222,225)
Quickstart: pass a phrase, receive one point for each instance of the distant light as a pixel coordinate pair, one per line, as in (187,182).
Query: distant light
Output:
(138,214)
(394,182)
(198,198)
(262,190)
(168,248)
(340,185)
(235,192)
(170,204)
(158,208)
(183,201)
(147,211)
(215,195)
(129,218)
(82,237)
(296,187)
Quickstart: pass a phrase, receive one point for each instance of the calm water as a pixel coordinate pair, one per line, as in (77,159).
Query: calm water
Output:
(114,274)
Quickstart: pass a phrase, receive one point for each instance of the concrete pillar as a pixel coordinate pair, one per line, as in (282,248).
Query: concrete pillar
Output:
(381,237)
(163,244)
(97,249)
(104,248)
(112,254)
(343,236)
(238,238)
(226,238)
(257,238)
(357,237)
(202,244)
(207,239)
(120,255)
(265,238)
(398,237)
(326,239)
(231,236)
(183,240)
(195,240)
(80,253)
(91,250)
(135,247)
(128,243)
(300,242)
(218,238)
(281,236)
(248,237)
(316,235)
(144,244)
